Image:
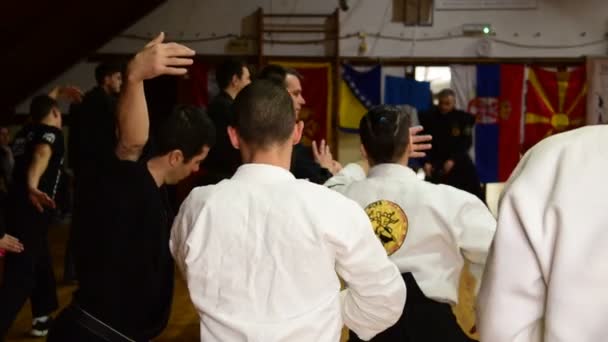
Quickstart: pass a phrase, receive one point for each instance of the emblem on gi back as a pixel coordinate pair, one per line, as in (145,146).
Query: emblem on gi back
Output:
(389,222)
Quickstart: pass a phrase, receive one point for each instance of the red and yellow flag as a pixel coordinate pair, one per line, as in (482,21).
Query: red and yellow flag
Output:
(555,102)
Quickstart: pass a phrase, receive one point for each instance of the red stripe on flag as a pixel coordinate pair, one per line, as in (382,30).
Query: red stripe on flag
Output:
(509,118)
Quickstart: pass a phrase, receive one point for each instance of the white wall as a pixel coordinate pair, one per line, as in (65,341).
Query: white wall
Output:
(559,22)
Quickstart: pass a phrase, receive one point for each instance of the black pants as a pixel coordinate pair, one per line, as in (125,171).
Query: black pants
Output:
(423,320)
(28,274)
(66,328)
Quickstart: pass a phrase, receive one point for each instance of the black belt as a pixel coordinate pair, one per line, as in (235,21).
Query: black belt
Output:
(95,326)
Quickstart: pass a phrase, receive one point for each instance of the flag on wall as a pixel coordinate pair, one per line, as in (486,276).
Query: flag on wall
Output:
(407,91)
(497,107)
(555,102)
(597,96)
(193,88)
(317,91)
(463,82)
(359,91)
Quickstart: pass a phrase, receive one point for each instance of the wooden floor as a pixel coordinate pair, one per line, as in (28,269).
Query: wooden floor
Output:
(183,325)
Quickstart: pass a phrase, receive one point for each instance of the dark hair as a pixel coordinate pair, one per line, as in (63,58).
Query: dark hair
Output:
(274,73)
(106,69)
(385,133)
(294,72)
(187,129)
(41,106)
(445,93)
(263,114)
(226,70)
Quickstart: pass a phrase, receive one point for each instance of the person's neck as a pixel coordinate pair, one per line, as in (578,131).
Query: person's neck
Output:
(231,92)
(276,156)
(404,161)
(157,170)
(106,89)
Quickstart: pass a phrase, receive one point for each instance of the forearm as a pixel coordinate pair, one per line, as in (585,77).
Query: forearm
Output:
(133,123)
(39,164)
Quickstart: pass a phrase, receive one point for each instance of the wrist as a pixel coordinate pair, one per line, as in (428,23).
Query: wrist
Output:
(132,76)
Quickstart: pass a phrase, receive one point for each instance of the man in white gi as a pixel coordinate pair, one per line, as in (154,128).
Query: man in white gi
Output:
(547,275)
(429,230)
(261,252)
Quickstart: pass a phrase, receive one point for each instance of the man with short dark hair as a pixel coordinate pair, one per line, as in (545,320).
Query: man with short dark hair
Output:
(38,150)
(262,251)
(231,76)
(123,261)
(428,230)
(452,130)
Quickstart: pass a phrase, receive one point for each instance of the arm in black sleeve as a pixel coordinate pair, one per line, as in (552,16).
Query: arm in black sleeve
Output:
(305,167)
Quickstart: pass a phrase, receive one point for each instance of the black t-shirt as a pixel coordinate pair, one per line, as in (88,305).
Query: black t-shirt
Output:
(452,134)
(123,260)
(92,128)
(23,150)
(223,158)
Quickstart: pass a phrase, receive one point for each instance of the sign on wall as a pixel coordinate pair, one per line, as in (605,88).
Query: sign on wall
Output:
(484,4)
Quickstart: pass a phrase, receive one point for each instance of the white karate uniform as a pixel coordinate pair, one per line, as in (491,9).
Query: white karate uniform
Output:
(260,254)
(547,273)
(446,225)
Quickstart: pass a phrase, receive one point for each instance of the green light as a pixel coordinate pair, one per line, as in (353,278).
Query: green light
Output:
(486,30)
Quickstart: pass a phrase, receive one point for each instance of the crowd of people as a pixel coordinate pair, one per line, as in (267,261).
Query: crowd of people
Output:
(280,242)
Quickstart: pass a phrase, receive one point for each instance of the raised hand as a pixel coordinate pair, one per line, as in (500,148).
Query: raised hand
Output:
(69,93)
(419,144)
(158,58)
(323,157)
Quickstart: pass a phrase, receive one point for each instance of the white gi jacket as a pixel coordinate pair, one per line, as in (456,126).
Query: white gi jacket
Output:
(260,254)
(547,274)
(445,225)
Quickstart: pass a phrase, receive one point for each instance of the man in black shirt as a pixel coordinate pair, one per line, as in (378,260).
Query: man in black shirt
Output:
(38,151)
(452,130)
(92,137)
(123,260)
(231,76)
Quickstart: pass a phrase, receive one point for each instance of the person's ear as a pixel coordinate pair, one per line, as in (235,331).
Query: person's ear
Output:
(298,130)
(234,137)
(176,157)
(363,151)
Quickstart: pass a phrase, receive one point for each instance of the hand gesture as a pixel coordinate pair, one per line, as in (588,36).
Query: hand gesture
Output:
(40,200)
(419,143)
(158,58)
(323,157)
(11,244)
(68,93)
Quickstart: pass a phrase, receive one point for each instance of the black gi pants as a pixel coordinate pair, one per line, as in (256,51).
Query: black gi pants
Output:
(423,320)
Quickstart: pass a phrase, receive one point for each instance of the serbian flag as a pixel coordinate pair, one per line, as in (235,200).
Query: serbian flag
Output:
(359,92)
(555,102)
(498,112)
(317,91)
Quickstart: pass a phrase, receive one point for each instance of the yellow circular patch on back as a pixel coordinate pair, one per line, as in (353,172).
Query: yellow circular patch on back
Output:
(389,222)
